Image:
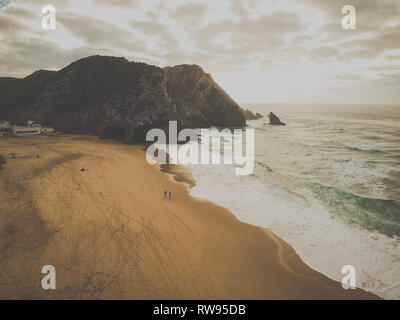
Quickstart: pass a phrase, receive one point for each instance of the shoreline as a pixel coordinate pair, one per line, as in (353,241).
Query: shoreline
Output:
(111,234)
(181,174)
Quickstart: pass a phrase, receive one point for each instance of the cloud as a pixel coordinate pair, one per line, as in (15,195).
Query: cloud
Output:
(20,58)
(283,37)
(9,26)
(396,57)
(21,13)
(323,52)
(238,7)
(373,47)
(96,32)
(189,14)
(4,3)
(158,31)
(117,3)
(249,35)
(370,13)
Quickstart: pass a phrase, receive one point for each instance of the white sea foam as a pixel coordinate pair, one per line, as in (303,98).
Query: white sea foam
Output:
(325,243)
(308,186)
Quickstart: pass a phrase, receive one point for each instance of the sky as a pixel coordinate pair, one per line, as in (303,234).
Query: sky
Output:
(257,50)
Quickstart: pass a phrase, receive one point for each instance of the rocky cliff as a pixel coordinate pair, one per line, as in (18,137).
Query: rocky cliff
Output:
(114,98)
(248,115)
(274,120)
(199,101)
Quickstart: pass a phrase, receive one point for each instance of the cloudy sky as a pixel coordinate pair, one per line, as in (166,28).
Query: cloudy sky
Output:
(257,50)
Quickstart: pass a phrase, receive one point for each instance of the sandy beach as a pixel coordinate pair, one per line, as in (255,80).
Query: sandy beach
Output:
(111,234)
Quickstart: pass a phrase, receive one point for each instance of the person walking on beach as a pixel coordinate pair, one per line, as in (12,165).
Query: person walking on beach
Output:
(165,193)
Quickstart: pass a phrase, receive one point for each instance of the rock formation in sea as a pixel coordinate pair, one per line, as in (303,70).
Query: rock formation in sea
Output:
(274,120)
(114,98)
(250,115)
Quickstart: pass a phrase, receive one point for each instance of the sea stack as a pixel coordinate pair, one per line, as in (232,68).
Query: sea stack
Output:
(274,120)
(248,115)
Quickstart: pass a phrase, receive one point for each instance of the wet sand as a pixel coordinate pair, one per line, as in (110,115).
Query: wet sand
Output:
(111,234)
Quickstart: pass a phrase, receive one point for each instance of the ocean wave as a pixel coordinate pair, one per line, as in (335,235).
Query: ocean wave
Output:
(394,174)
(373,214)
(363,148)
(264,166)
(370,137)
(285,205)
(341,160)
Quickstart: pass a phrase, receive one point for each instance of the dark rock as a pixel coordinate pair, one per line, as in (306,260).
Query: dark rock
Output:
(274,120)
(199,101)
(114,98)
(250,115)
(2,161)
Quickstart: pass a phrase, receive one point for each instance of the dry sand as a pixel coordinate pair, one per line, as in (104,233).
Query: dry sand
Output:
(110,233)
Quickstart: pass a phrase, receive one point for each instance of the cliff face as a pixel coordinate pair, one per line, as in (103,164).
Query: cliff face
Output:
(114,98)
(274,120)
(199,101)
(250,115)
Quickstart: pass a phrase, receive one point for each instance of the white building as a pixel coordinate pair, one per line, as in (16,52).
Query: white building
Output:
(26,131)
(5,129)
(4,126)
(31,129)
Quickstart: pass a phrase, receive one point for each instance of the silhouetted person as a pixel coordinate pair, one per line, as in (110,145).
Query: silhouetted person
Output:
(38,156)
(170,194)
(165,194)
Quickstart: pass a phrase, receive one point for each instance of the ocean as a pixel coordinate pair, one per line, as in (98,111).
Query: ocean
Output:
(328,183)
